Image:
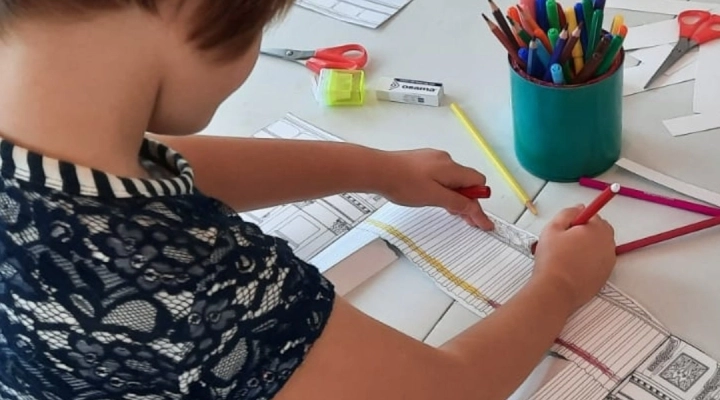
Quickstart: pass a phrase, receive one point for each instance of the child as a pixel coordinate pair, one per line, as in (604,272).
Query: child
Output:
(125,272)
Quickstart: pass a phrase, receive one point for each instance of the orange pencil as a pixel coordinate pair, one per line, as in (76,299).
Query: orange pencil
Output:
(623,31)
(505,42)
(514,15)
(529,21)
(540,34)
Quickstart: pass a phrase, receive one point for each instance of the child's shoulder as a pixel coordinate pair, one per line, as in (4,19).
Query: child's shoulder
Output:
(145,271)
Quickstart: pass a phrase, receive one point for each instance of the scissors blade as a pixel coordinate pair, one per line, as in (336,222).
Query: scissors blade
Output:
(680,49)
(288,54)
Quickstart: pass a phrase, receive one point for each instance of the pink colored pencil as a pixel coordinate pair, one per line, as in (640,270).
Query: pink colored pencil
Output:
(664,236)
(653,198)
(529,5)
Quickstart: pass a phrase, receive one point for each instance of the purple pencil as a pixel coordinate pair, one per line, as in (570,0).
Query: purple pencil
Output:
(653,198)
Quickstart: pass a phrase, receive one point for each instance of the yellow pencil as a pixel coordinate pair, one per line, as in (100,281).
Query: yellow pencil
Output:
(617,22)
(494,158)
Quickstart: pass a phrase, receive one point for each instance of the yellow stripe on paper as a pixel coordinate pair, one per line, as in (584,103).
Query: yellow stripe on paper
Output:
(434,262)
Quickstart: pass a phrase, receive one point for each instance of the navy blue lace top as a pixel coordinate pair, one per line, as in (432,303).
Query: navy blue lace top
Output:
(143,289)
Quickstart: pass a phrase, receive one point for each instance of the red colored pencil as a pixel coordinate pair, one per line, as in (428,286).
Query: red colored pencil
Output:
(476,192)
(593,208)
(664,236)
(561,15)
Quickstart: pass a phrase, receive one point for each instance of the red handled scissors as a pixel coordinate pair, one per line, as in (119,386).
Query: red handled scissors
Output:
(696,27)
(338,57)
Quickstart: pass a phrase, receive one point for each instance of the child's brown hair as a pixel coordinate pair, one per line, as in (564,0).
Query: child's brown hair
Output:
(228,25)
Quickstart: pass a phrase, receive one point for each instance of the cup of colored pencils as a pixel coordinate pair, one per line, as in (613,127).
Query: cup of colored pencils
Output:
(559,46)
(566,79)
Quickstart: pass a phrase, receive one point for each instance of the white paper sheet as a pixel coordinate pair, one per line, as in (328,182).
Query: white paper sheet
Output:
(635,79)
(650,35)
(677,185)
(668,7)
(688,124)
(707,79)
(368,13)
(310,227)
(630,61)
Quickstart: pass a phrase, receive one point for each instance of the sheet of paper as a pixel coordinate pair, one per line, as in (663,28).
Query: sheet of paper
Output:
(630,61)
(310,227)
(635,79)
(669,182)
(692,124)
(605,341)
(669,7)
(707,79)
(649,35)
(368,13)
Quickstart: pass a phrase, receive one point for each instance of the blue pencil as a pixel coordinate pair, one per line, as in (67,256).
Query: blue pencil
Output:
(523,54)
(543,55)
(533,63)
(599,5)
(556,73)
(580,16)
(541,15)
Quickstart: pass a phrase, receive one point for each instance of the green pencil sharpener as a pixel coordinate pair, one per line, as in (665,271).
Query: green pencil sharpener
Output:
(564,133)
(335,87)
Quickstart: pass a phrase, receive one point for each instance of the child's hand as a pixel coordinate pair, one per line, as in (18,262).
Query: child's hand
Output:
(579,259)
(429,178)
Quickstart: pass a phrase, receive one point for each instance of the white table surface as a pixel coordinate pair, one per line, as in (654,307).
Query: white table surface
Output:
(448,42)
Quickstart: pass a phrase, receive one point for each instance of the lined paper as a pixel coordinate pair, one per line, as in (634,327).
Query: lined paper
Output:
(610,342)
(368,13)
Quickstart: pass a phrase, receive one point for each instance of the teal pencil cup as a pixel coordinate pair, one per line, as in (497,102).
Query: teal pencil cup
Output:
(563,133)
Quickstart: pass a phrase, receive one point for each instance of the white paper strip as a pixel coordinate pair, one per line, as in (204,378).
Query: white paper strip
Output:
(707,79)
(668,7)
(692,123)
(670,182)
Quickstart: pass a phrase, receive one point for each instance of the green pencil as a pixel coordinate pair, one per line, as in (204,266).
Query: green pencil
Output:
(524,35)
(594,33)
(588,8)
(552,14)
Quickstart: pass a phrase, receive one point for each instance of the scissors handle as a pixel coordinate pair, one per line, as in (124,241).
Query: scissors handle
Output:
(339,57)
(690,21)
(708,30)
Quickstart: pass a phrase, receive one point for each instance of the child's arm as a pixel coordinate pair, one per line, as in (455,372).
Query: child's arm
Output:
(249,173)
(359,358)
